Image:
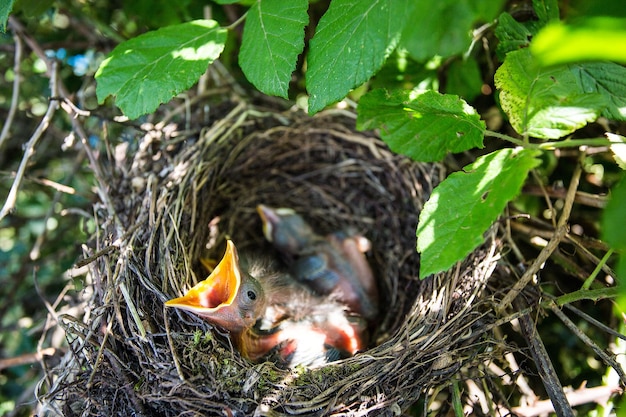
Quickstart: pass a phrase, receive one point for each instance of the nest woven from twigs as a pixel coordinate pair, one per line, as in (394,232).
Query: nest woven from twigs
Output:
(174,200)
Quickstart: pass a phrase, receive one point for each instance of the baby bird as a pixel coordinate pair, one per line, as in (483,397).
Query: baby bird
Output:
(271,316)
(334,264)
(226,298)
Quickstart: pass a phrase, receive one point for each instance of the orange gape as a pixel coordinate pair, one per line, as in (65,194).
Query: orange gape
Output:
(270,315)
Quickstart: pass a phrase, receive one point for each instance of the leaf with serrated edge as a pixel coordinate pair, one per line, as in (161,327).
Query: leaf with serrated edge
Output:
(607,79)
(351,42)
(150,69)
(464,205)
(425,127)
(543,102)
(272,39)
(5,11)
(512,35)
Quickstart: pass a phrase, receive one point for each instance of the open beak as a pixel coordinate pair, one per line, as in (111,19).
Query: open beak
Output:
(269,218)
(216,298)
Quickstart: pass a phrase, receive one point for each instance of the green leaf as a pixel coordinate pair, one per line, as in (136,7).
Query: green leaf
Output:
(607,79)
(589,39)
(444,27)
(618,148)
(351,42)
(613,221)
(424,126)
(272,39)
(150,69)
(464,205)
(31,8)
(464,79)
(544,102)
(512,35)
(5,11)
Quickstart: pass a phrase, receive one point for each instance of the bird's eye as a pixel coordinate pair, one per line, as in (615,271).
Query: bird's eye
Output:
(251,295)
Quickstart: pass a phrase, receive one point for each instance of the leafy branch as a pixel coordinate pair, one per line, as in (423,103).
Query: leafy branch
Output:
(352,42)
(545,100)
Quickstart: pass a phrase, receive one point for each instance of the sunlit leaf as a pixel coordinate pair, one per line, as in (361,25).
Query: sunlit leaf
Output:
(272,39)
(618,147)
(544,102)
(597,38)
(351,42)
(462,207)
(425,127)
(150,69)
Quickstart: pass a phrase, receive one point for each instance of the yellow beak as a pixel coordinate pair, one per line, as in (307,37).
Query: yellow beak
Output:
(220,299)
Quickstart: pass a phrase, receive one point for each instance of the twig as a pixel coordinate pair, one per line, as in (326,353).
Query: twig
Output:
(582,395)
(544,366)
(595,322)
(591,200)
(594,295)
(544,193)
(26,358)
(511,139)
(550,247)
(596,271)
(60,93)
(575,143)
(101,350)
(586,340)
(16,89)
(86,261)
(29,150)
(582,244)
(170,342)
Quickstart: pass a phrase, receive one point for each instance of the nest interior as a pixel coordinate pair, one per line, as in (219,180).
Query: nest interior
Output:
(176,196)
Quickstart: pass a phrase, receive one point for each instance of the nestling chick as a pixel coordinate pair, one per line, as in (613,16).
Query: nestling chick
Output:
(268,314)
(334,264)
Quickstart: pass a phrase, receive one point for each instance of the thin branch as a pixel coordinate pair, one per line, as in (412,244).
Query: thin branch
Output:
(508,138)
(16,89)
(560,232)
(582,395)
(29,149)
(595,322)
(546,370)
(593,295)
(596,271)
(591,200)
(575,143)
(26,358)
(608,359)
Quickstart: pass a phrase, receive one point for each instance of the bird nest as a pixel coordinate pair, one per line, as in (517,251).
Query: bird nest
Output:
(171,197)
